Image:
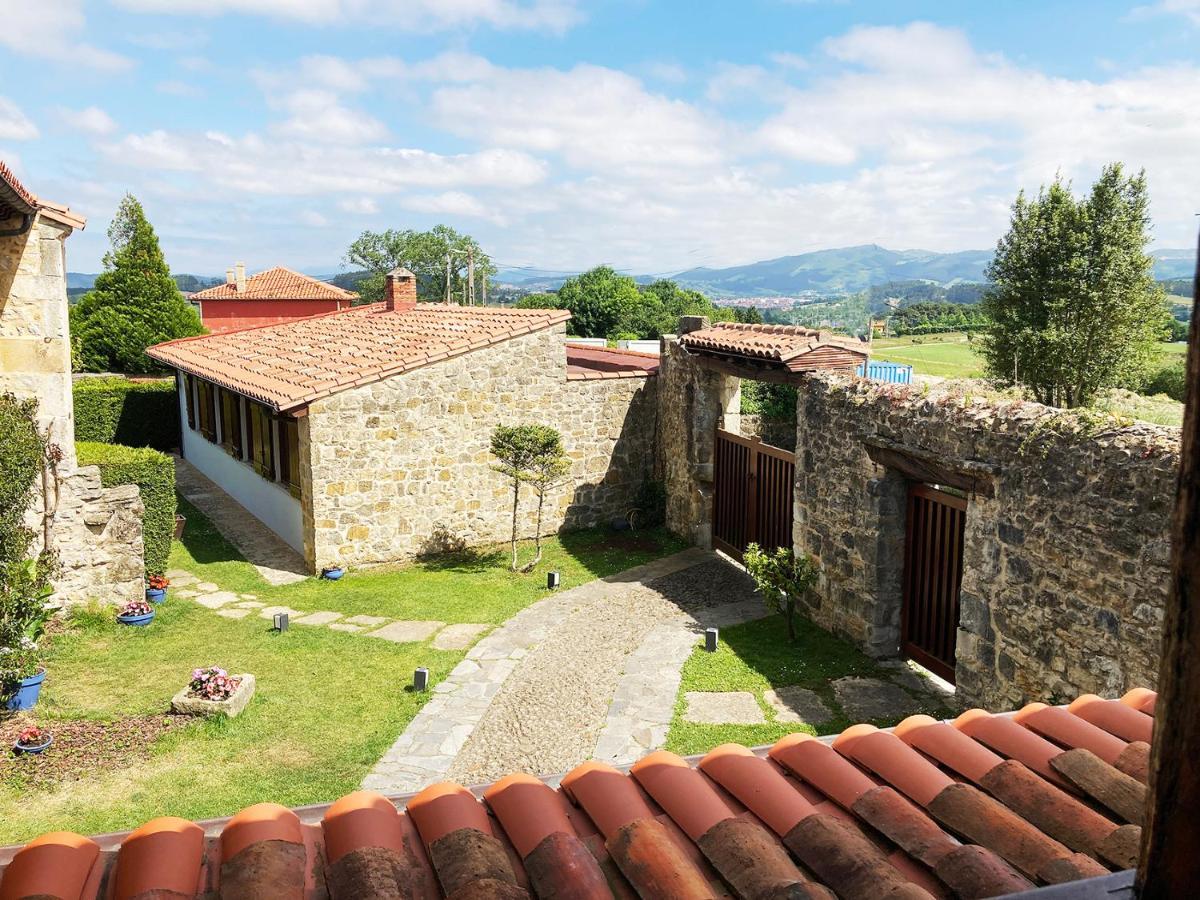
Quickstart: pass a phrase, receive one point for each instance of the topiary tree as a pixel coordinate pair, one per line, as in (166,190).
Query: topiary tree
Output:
(24,581)
(134,304)
(781,577)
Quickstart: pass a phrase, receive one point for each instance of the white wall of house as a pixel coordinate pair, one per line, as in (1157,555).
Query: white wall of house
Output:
(267,501)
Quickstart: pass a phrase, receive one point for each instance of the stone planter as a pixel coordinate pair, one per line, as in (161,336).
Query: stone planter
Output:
(26,694)
(194,706)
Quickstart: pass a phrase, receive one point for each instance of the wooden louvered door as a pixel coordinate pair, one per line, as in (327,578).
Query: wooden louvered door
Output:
(754,484)
(933,555)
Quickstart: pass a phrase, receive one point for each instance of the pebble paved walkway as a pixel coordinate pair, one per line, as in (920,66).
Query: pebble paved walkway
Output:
(536,695)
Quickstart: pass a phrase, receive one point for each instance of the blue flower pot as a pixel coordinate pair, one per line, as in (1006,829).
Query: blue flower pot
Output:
(27,692)
(139,621)
(333,574)
(39,748)
(156,595)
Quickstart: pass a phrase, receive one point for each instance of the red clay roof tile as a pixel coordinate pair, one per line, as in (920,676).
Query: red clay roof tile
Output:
(15,196)
(853,832)
(277,284)
(293,363)
(1114,717)
(792,346)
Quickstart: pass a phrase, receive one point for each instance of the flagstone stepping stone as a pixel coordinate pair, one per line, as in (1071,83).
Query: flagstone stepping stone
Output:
(184,593)
(234,613)
(793,703)
(459,636)
(869,699)
(216,600)
(180,578)
(268,612)
(179,573)
(249,596)
(406,632)
(206,587)
(723,708)
(367,620)
(318,618)
(345,626)
(250,604)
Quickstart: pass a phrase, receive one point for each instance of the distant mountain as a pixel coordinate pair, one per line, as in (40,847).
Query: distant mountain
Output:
(82,282)
(1174,263)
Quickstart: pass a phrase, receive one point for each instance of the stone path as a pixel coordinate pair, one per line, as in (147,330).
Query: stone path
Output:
(458,636)
(567,656)
(275,561)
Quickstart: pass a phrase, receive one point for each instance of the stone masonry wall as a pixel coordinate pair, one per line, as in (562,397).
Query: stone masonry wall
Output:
(96,531)
(392,465)
(1065,566)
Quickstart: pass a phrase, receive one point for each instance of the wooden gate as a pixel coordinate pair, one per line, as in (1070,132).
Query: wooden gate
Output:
(933,554)
(754,491)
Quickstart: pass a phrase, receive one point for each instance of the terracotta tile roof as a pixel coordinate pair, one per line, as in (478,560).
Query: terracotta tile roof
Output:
(293,363)
(795,347)
(17,197)
(981,806)
(586,361)
(276,284)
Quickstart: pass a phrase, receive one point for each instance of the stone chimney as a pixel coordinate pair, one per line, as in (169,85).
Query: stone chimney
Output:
(400,289)
(240,274)
(229,276)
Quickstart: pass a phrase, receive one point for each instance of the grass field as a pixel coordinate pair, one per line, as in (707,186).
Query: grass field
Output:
(327,706)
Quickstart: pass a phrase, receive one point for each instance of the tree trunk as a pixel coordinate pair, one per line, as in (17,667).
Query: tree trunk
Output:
(1171,835)
(516,501)
(537,535)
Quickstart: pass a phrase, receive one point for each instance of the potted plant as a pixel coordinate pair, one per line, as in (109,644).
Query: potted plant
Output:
(781,577)
(213,691)
(20,675)
(136,612)
(332,573)
(156,588)
(23,616)
(33,740)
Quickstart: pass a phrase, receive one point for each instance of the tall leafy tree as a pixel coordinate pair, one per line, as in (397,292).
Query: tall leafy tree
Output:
(1074,306)
(423,253)
(135,302)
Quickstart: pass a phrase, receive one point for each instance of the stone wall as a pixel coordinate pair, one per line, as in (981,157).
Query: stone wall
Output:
(770,431)
(96,531)
(402,465)
(1066,545)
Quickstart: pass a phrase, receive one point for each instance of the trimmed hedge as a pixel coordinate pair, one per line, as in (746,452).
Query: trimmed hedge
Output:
(134,413)
(151,471)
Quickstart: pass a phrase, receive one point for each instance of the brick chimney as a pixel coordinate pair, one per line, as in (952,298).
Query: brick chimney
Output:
(240,274)
(400,289)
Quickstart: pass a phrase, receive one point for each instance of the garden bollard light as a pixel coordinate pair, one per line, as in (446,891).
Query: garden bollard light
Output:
(710,639)
(421,679)
(281,621)
(553,579)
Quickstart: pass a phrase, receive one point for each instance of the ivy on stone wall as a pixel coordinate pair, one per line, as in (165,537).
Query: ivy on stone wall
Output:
(133,413)
(154,474)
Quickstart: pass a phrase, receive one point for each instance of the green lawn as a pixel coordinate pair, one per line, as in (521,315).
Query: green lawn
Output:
(328,704)
(757,656)
(947,355)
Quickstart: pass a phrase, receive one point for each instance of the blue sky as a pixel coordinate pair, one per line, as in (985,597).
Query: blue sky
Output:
(653,136)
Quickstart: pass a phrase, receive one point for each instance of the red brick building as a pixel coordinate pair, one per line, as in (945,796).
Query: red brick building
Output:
(268,298)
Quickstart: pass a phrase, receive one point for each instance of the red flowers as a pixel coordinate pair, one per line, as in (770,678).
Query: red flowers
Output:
(33,736)
(158,582)
(212,683)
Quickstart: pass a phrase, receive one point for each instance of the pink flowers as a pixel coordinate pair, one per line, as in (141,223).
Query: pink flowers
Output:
(33,736)
(212,683)
(136,608)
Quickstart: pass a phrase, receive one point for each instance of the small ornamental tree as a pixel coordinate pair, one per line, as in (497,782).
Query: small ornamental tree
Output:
(515,448)
(24,580)
(549,465)
(134,304)
(781,577)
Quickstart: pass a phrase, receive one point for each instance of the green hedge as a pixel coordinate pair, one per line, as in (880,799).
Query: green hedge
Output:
(151,471)
(133,413)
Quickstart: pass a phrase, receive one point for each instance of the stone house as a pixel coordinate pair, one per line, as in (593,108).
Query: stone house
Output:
(268,298)
(362,436)
(96,531)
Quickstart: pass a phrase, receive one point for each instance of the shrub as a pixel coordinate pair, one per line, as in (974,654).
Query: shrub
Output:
(1170,379)
(781,577)
(151,471)
(775,402)
(133,413)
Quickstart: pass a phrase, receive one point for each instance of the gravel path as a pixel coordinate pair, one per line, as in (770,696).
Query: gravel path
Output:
(548,716)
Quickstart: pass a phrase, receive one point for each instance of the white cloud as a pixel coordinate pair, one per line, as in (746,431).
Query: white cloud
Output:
(14,124)
(1189,9)
(359,206)
(451,203)
(175,88)
(318,116)
(90,120)
(408,15)
(50,30)
(312,218)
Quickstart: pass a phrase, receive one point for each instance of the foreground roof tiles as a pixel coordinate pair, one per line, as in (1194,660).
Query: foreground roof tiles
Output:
(294,363)
(18,198)
(796,348)
(277,284)
(981,806)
